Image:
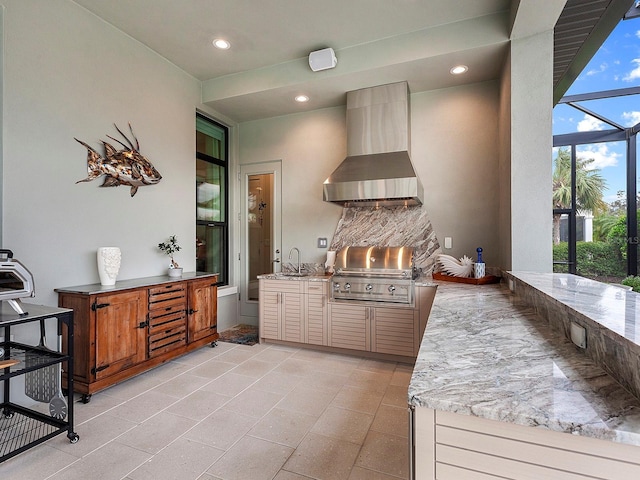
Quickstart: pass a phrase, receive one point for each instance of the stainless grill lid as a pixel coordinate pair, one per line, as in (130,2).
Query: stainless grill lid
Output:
(383,261)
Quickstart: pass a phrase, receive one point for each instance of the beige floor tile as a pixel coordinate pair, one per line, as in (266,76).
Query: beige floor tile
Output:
(113,461)
(307,400)
(183,459)
(143,406)
(284,475)
(274,355)
(323,458)
(239,354)
(377,365)
(157,432)
(212,369)
(324,381)
(347,425)
(375,381)
(251,458)
(358,399)
(254,368)
(282,426)
(93,435)
(132,387)
(385,453)
(230,384)
(402,375)
(253,402)
(99,404)
(295,366)
(392,420)
(278,382)
(359,473)
(396,395)
(199,405)
(39,462)
(221,429)
(182,385)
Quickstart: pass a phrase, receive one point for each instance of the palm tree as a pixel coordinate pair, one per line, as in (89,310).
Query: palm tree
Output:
(589,187)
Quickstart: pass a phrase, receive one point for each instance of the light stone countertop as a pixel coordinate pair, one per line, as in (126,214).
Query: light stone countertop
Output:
(485,353)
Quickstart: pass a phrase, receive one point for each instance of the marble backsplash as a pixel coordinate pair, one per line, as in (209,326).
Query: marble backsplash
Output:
(389,227)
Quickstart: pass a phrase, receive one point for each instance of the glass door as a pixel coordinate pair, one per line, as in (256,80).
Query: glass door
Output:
(260,231)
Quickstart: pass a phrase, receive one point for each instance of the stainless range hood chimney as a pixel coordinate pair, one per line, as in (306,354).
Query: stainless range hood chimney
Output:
(378,169)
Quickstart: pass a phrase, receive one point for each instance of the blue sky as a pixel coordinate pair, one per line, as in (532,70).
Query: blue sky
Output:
(615,65)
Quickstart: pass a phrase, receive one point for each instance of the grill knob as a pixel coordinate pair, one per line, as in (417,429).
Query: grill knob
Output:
(369,287)
(347,286)
(336,287)
(391,288)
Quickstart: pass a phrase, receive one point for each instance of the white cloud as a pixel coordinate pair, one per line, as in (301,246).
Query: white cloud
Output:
(633,74)
(602,68)
(638,34)
(590,124)
(601,155)
(631,118)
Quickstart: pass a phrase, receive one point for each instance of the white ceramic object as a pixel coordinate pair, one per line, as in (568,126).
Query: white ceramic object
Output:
(479,270)
(174,272)
(109,259)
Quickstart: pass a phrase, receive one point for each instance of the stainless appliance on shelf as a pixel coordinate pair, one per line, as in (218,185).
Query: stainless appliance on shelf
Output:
(16,281)
(377,274)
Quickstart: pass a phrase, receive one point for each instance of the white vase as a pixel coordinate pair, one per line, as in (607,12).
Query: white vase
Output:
(174,272)
(108,264)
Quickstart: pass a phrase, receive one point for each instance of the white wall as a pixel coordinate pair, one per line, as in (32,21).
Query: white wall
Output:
(68,74)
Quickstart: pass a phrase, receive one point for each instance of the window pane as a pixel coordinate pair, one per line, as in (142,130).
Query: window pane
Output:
(210,250)
(210,192)
(210,139)
(560,245)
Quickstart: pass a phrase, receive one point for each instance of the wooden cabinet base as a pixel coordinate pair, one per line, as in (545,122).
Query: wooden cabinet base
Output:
(136,325)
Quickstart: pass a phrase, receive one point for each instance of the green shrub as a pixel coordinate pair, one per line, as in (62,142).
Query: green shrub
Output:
(633,282)
(594,259)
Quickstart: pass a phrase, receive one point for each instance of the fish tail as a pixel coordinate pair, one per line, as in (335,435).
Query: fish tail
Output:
(94,160)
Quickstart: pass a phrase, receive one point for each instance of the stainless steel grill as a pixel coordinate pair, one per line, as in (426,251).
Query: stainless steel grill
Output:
(15,281)
(377,274)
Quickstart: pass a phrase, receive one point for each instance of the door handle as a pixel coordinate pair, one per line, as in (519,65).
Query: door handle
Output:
(277,260)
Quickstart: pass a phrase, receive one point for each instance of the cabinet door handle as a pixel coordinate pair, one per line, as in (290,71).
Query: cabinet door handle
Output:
(143,324)
(191,311)
(95,306)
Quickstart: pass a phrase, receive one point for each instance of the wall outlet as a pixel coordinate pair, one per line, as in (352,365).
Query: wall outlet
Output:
(322,242)
(578,335)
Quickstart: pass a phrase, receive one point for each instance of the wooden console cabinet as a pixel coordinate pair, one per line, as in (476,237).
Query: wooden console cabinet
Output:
(126,329)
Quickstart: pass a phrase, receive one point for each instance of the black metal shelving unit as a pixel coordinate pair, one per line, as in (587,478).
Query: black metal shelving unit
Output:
(22,428)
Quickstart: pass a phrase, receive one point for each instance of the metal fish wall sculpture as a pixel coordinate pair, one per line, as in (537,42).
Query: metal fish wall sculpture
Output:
(121,167)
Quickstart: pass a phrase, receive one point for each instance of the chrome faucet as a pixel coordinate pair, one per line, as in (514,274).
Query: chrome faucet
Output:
(297,250)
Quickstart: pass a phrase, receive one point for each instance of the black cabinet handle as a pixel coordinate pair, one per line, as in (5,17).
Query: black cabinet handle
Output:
(191,311)
(143,324)
(95,370)
(96,306)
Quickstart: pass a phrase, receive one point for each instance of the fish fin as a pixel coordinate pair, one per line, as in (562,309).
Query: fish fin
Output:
(109,149)
(134,189)
(110,182)
(125,137)
(134,137)
(94,160)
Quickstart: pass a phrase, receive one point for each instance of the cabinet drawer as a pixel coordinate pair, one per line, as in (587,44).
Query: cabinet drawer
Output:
(283,286)
(168,338)
(167,295)
(319,288)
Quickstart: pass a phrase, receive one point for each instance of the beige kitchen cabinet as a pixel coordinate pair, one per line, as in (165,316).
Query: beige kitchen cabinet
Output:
(126,329)
(349,326)
(317,301)
(282,310)
(450,446)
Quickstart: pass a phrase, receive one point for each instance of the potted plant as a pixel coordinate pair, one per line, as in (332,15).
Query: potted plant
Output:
(170,247)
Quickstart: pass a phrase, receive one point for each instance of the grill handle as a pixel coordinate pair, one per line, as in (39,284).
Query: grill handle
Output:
(6,252)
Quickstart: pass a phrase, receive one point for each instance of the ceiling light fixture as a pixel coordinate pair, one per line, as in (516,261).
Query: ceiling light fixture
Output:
(459,69)
(221,43)
(301,98)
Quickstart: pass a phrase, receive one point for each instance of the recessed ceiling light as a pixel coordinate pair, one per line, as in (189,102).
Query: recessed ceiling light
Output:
(221,43)
(459,69)
(301,98)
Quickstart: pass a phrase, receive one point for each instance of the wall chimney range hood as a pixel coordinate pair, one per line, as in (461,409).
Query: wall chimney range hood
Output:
(378,169)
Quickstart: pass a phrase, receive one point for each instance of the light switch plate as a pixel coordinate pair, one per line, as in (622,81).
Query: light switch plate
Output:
(447,242)
(322,242)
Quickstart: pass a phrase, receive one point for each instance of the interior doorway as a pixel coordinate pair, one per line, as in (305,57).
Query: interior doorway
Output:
(260,231)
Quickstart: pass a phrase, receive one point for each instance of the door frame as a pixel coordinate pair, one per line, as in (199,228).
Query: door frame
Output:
(249,308)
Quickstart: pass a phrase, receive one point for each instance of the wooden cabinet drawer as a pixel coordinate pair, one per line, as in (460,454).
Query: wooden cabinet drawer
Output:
(167,318)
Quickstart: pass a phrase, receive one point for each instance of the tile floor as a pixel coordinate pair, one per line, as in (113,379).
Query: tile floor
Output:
(236,412)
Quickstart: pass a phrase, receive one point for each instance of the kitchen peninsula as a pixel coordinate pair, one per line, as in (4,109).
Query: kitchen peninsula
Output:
(498,391)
